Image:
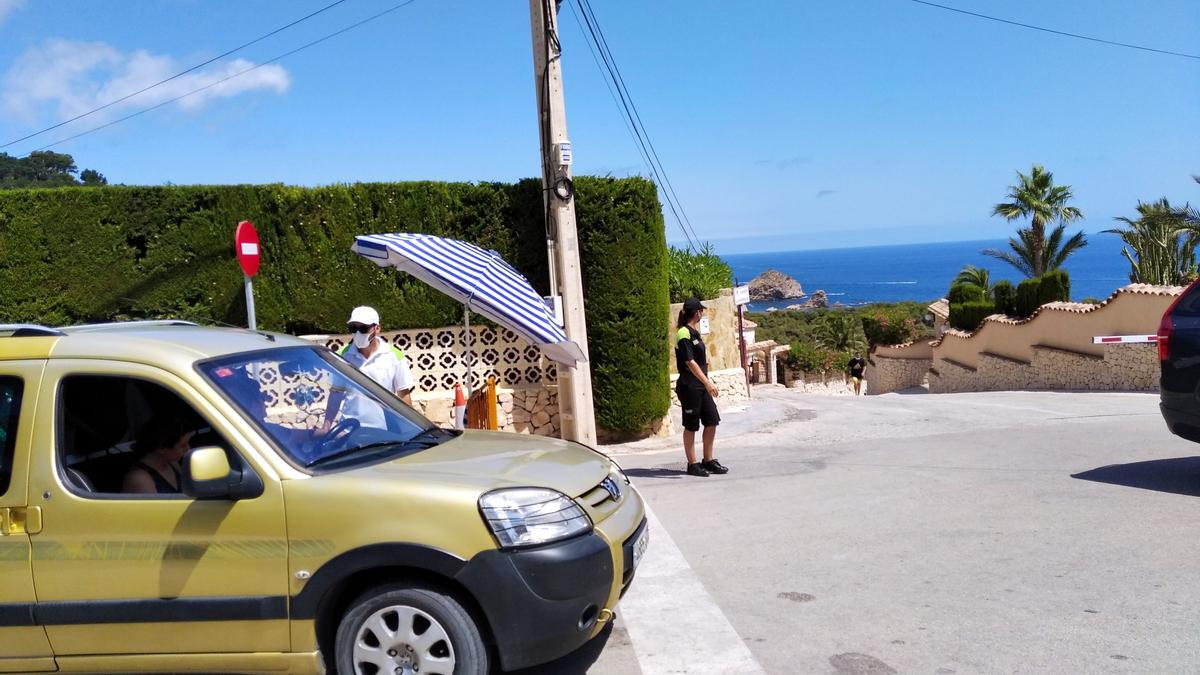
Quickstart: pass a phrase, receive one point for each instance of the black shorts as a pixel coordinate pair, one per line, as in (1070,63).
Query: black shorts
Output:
(698,406)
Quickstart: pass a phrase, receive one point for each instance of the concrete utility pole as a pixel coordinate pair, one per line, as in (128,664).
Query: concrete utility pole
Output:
(574,384)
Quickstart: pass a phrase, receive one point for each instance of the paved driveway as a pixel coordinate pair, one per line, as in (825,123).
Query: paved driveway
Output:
(966,533)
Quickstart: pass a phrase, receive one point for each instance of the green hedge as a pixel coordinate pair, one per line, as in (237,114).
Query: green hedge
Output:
(965,293)
(1050,287)
(968,315)
(74,255)
(1004,297)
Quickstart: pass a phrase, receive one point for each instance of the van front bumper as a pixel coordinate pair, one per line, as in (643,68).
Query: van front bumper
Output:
(542,603)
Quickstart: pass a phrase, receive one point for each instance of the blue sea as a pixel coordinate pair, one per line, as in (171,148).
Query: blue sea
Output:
(921,272)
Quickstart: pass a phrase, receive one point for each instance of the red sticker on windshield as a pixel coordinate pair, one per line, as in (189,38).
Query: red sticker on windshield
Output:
(223,372)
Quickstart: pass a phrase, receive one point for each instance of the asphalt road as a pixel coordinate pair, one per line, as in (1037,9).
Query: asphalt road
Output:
(965,533)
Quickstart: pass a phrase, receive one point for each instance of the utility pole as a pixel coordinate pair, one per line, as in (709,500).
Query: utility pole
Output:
(578,418)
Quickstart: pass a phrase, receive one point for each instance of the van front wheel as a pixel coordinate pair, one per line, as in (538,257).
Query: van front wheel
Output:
(400,630)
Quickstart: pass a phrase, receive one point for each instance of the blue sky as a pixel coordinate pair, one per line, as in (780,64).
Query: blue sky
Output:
(808,125)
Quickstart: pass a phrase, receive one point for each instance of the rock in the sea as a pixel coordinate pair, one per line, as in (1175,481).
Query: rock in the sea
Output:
(818,300)
(773,285)
(772,309)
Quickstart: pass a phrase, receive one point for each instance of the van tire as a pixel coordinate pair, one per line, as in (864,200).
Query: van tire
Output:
(443,629)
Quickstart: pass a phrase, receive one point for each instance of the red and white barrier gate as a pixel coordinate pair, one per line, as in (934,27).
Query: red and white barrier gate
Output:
(1123,339)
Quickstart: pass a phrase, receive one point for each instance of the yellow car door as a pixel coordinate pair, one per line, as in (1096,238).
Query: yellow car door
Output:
(155,573)
(23,644)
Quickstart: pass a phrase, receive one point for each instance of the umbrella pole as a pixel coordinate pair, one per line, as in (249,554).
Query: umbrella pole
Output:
(467,329)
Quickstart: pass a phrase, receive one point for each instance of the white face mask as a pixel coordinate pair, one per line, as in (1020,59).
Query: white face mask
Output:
(362,340)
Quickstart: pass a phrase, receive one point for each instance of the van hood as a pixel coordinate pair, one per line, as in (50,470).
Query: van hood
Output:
(490,460)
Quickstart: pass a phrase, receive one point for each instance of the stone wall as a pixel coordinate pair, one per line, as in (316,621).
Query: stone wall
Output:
(1122,367)
(825,384)
(522,410)
(897,367)
(730,383)
(721,344)
(1052,350)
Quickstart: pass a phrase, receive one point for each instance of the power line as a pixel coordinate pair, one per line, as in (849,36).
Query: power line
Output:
(623,108)
(234,75)
(176,75)
(1059,32)
(662,170)
(591,28)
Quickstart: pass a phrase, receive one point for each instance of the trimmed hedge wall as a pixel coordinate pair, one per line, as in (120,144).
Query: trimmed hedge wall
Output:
(1004,296)
(968,315)
(74,255)
(1050,287)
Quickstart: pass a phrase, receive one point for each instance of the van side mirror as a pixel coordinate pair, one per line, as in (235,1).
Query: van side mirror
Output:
(207,475)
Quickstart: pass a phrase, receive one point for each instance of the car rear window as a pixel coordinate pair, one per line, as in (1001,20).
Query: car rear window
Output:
(10,411)
(1189,304)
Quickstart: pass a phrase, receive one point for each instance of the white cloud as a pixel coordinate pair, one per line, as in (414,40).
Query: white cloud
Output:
(7,7)
(75,77)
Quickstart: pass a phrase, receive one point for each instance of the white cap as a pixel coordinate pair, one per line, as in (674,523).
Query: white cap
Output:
(364,315)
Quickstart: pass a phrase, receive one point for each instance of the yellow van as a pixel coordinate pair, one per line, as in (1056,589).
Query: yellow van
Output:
(178,498)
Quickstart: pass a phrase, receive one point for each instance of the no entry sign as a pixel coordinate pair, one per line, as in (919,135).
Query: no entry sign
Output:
(245,241)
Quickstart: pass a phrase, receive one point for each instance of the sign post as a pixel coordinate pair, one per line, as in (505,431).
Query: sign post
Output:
(245,241)
(741,298)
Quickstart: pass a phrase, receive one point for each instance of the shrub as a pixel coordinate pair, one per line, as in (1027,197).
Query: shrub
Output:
(1028,294)
(74,255)
(839,331)
(963,292)
(806,357)
(968,315)
(809,358)
(889,326)
(701,274)
(1004,297)
(623,250)
(1055,286)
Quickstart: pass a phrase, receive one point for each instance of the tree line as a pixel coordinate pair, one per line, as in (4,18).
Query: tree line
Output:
(45,169)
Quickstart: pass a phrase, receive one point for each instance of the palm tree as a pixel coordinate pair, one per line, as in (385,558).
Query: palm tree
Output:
(975,276)
(1037,197)
(1157,244)
(839,331)
(1032,257)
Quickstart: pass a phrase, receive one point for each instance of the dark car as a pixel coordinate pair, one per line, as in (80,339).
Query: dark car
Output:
(1179,353)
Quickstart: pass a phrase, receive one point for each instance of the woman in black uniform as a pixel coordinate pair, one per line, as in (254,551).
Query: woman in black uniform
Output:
(696,391)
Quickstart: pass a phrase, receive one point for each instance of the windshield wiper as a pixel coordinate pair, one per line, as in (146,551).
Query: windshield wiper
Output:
(346,452)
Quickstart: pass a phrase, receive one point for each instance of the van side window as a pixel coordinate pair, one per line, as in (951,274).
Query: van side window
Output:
(10,411)
(126,436)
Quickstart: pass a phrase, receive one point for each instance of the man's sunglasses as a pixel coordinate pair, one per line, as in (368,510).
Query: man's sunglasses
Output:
(359,328)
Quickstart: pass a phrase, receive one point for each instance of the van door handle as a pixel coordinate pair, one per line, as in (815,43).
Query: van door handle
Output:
(20,520)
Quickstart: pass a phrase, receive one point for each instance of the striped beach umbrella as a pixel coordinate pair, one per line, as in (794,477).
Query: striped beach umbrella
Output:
(479,279)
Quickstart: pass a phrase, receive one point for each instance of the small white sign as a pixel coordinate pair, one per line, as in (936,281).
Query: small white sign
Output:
(249,248)
(704,329)
(741,294)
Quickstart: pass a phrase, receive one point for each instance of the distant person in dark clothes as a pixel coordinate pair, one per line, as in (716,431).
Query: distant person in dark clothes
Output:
(856,366)
(696,391)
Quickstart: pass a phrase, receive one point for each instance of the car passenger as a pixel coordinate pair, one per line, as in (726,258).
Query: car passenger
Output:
(160,446)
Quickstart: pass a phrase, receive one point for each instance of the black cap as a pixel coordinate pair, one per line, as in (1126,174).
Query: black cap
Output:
(691,305)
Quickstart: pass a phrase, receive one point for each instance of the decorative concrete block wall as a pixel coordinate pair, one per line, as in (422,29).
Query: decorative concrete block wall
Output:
(527,383)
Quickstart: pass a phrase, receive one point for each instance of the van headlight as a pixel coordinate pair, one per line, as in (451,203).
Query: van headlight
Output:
(531,516)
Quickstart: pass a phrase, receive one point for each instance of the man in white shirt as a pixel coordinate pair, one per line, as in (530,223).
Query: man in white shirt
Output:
(372,355)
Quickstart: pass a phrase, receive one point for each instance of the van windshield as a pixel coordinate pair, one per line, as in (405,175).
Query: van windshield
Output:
(320,411)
